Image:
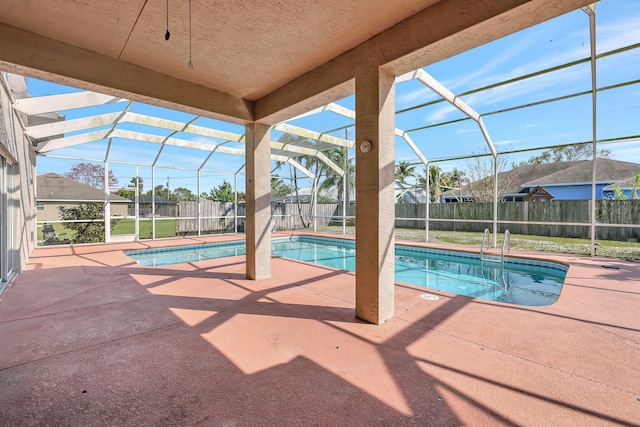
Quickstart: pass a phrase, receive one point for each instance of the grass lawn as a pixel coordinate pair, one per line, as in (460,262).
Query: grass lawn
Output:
(164,227)
(608,248)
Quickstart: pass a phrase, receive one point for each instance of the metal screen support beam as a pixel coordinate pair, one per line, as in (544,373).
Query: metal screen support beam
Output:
(107,205)
(137,206)
(591,11)
(427,203)
(344,203)
(315,205)
(198,213)
(495,201)
(235,203)
(153,202)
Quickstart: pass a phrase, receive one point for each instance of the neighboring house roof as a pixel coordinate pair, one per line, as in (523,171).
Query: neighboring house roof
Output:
(56,187)
(524,178)
(521,174)
(626,184)
(515,177)
(538,193)
(607,171)
(148,199)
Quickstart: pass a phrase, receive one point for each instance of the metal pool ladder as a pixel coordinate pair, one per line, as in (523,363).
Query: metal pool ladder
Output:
(485,237)
(506,241)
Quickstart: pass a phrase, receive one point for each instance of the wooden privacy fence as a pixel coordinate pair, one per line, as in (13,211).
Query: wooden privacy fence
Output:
(219,217)
(216,217)
(557,211)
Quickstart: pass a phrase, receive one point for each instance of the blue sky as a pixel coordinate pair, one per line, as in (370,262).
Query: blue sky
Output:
(549,44)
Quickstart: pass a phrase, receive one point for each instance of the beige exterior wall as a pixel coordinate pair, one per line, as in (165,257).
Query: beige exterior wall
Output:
(48,211)
(15,147)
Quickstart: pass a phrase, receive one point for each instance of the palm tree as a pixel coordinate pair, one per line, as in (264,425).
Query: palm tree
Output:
(289,139)
(453,180)
(435,188)
(332,178)
(403,171)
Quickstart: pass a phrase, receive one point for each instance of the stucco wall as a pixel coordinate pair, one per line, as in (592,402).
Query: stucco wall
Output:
(15,147)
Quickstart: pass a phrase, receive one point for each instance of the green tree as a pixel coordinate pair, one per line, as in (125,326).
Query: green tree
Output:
(161,191)
(182,194)
(279,188)
(342,183)
(636,187)
(306,162)
(435,182)
(90,174)
(128,193)
(221,193)
(86,232)
(403,171)
(566,153)
(618,193)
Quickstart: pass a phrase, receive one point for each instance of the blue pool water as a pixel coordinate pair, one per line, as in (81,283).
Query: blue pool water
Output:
(516,281)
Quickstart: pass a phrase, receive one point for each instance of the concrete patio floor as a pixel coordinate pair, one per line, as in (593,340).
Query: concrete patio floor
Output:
(88,337)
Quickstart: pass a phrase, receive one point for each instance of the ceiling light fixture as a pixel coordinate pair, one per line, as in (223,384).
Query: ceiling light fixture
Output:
(167,34)
(190,64)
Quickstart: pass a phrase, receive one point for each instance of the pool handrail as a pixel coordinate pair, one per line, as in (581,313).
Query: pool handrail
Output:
(505,241)
(485,236)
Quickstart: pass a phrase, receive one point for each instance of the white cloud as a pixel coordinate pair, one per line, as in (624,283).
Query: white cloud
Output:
(441,113)
(421,95)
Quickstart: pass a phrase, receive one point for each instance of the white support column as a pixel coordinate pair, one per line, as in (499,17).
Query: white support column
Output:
(591,11)
(427,203)
(153,202)
(495,201)
(344,203)
(375,213)
(315,205)
(107,205)
(258,188)
(199,213)
(235,203)
(136,228)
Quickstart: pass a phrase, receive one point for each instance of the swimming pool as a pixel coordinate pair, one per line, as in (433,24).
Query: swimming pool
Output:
(516,281)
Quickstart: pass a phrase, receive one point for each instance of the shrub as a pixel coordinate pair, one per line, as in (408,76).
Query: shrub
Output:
(86,232)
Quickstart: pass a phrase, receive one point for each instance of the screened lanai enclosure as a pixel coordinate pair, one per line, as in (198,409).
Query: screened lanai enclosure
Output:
(474,150)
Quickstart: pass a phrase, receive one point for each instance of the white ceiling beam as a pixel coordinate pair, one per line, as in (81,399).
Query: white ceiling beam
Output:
(65,126)
(333,107)
(313,135)
(62,102)
(340,110)
(412,145)
(214,133)
(70,141)
(307,151)
(433,84)
(143,119)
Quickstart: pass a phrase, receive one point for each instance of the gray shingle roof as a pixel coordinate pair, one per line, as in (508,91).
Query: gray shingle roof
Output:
(560,173)
(515,177)
(607,170)
(52,186)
